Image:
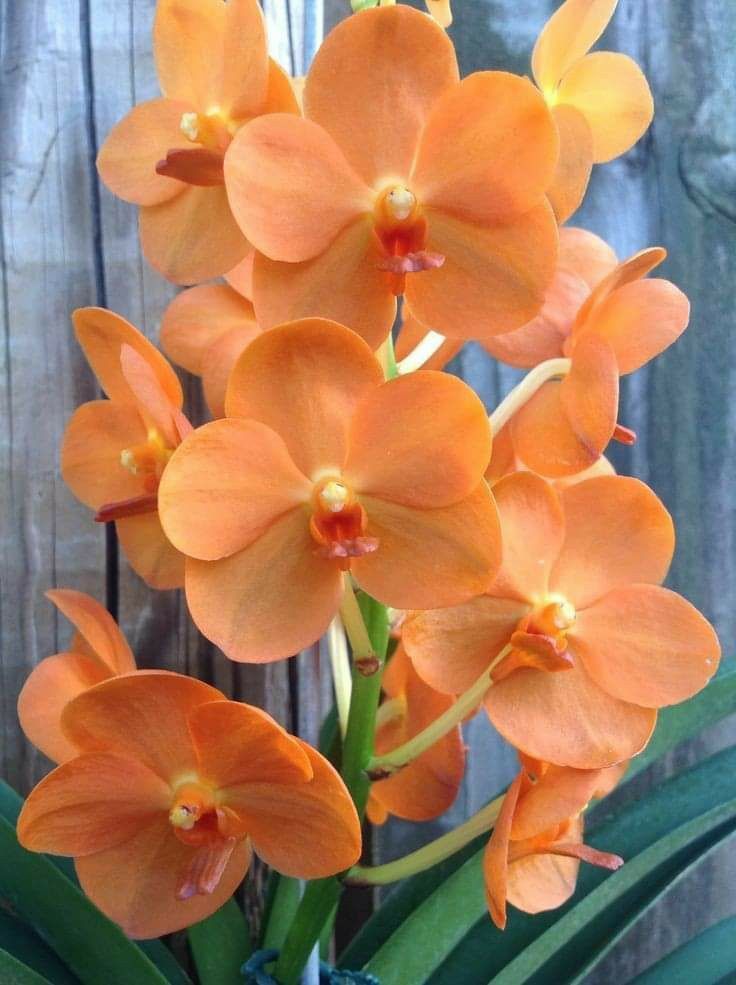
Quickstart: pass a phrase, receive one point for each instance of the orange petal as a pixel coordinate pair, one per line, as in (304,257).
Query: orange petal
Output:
(290,188)
(97,627)
(496,856)
(281,96)
(307,830)
(560,793)
(572,174)
(532,532)
(565,426)
(91,803)
(325,369)
(632,269)
(569,34)
(493,279)
(149,552)
(53,683)
(345,284)
(143,716)
(242,468)
(270,600)
(193,237)
(430,558)
(156,409)
(136,883)
(240,278)
(567,719)
(645,644)
(450,648)
(488,150)
(613,95)
(428,786)
(198,317)
(423,459)
(503,458)
(212,54)
(90,453)
(127,159)
(544,336)
(541,881)
(237,744)
(373,83)
(585,254)
(102,334)
(640,320)
(219,362)
(632,532)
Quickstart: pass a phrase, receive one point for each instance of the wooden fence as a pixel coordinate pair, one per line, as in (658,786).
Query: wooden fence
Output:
(70,69)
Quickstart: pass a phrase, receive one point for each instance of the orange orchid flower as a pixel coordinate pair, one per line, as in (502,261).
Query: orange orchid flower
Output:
(204,330)
(166,155)
(321,468)
(504,462)
(597,644)
(428,786)
(601,102)
(626,320)
(400,180)
(98,650)
(115,451)
(536,848)
(171,789)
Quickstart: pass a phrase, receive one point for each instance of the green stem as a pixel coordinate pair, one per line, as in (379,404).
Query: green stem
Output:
(322,895)
(429,855)
(390,762)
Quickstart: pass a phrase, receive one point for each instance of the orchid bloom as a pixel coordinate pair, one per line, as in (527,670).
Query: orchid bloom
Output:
(400,180)
(204,330)
(428,786)
(626,320)
(596,644)
(601,102)
(536,848)
(171,789)
(115,451)
(166,155)
(321,468)
(98,650)
(504,461)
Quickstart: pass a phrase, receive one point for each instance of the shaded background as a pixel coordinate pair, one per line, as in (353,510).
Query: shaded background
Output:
(70,70)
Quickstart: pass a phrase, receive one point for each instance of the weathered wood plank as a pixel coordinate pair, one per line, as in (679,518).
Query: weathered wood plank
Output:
(46,214)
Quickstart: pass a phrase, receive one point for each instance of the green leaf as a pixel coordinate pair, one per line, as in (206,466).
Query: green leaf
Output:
(221,945)
(14,972)
(282,904)
(20,940)
(675,725)
(449,937)
(707,959)
(95,948)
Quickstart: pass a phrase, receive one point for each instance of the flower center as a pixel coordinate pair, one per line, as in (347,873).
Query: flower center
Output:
(209,829)
(338,522)
(553,618)
(402,231)
(148,459)
(211,130)
(540,640)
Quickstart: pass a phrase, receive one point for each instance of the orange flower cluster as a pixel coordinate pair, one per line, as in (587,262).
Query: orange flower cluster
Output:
(522,575)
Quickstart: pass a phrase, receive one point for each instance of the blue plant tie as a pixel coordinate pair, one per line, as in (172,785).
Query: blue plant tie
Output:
(254,972)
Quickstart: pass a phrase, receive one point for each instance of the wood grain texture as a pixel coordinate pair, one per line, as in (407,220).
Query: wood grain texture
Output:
(70,69)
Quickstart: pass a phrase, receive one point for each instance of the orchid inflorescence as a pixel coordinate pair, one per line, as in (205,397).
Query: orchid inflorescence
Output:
(339,491)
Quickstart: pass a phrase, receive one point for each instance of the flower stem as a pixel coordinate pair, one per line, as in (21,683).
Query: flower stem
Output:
(322,895)
(341,673)
(387,358)
(430,344)
(528,387)
(390,762)
(429,855)
(364,655)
